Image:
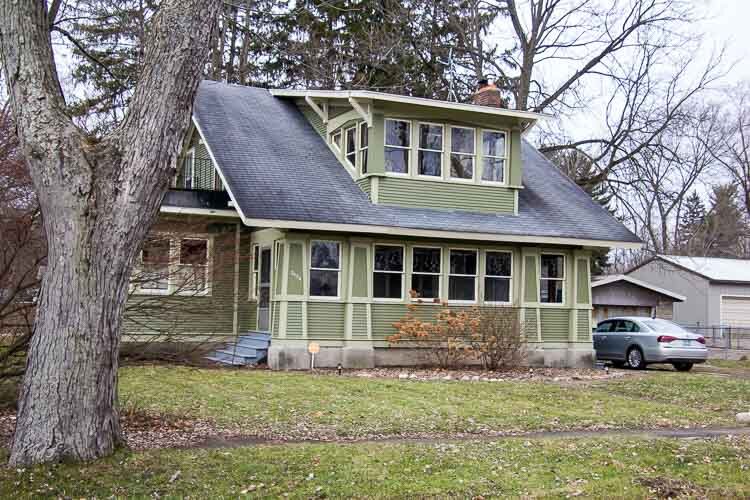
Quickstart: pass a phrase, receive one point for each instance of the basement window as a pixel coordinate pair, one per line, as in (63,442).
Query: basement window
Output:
(397,146)
(552,281)
(325,266)
(388,270)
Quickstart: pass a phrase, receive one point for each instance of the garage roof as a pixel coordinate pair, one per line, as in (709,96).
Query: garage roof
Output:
(613,278)
(713,268)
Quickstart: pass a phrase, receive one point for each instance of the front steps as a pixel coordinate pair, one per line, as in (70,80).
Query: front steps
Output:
(249,350)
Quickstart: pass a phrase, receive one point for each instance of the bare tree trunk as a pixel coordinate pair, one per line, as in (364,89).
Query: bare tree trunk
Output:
(98,198)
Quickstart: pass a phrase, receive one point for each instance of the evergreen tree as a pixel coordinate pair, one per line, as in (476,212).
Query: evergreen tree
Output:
(726,226)
(692,227)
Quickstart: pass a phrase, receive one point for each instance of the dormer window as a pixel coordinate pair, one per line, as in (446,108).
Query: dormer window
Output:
(430,156)
(336,140)
(351,146)
(462,153)
(493,156)
(397,146)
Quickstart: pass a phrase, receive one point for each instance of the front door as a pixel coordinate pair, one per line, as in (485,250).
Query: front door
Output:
(264,291)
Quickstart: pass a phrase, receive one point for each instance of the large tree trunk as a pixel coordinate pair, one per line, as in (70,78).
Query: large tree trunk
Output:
(98,199)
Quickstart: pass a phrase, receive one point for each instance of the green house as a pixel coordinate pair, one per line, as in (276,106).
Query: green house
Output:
(334,205)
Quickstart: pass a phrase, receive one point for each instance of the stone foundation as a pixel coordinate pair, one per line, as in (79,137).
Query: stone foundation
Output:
(294,356)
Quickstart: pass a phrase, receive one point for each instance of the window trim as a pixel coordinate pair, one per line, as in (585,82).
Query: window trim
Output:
(338,270)
(509,278)
(191,155)
(439,274)
(504,158)
(402,272)
(441,151)
(563,279)
(253,285)
(173,266)
(346,146)
(473,155)
(410,148)
(366,149)
(333,140)
(475,276)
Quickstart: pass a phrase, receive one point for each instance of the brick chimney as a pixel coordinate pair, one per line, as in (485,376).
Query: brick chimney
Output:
(488,94)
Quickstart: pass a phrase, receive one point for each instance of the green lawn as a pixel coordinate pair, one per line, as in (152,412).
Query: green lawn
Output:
(598,468)
(300,405)
(743,364)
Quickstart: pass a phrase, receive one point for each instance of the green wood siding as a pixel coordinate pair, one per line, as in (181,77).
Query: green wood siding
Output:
(383,317)
(294,319)
(450,195)
(530,325)
(361,273)
(582,326)
(359,321)
(531,292)
(365,184)
(296,270)
(555,324)
(325,320)
(582,269)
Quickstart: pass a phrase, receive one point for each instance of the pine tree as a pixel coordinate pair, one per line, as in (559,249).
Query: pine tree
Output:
(727,228)
(692,227)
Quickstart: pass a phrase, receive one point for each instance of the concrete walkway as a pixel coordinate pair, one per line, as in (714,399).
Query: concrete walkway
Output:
(678,433)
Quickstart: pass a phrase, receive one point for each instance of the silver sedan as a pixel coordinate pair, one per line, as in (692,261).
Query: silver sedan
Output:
(639,341)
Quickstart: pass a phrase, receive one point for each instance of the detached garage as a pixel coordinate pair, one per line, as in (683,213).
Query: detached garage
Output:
(735,311)
(621,295)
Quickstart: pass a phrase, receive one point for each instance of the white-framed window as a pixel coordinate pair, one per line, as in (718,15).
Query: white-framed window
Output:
(462,275)
(494,156)
(192,274)
(388,272)
(397,146)
(350,136)
(363,146)
(426,271)
(189,169)
(498,271)
(325,268)
(153,271)
(552,279)
(254,274)
(463,152)
(173,264)
(430,150)
(336,141)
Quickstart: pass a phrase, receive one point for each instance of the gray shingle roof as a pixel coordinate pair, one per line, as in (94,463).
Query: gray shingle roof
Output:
(277,167)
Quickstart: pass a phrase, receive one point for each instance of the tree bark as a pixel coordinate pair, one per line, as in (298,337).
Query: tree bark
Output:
(98,198)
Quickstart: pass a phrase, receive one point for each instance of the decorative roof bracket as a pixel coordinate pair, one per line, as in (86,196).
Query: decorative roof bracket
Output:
(365,114)
(322,113)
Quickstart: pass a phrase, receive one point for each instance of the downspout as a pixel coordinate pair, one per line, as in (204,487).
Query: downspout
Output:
(236,305)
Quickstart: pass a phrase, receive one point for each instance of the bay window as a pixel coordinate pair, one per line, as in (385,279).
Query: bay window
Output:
(363,146)
(462,153)
(350,135)
(325,267)
(388,270)
(425,277)
(497,277)
(397,146)
(493,156)
(430,151)
(552,279)
(462,275)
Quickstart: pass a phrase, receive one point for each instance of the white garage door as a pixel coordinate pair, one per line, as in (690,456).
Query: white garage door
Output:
(735,311)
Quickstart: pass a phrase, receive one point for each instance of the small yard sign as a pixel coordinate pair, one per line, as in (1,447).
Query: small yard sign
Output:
(313,348)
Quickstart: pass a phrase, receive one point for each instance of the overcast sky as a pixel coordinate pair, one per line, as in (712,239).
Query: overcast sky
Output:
(727,20)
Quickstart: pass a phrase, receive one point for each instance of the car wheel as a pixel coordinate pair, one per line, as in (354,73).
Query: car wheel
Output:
(682,367)
(635,359)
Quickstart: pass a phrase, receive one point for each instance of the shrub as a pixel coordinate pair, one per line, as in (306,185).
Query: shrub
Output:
(498,340)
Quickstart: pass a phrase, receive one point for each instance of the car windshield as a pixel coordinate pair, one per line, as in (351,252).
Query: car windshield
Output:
(663,326)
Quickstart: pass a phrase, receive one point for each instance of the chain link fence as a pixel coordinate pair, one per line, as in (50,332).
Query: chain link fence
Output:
(723,337)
